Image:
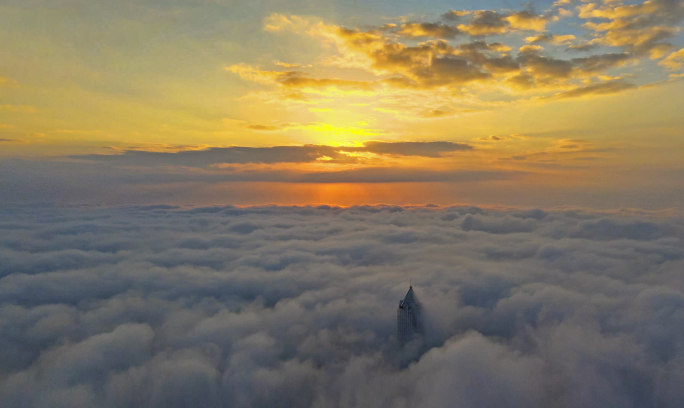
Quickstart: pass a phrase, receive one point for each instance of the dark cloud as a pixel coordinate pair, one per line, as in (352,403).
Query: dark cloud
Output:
(216,155)
(295,306)
(269,155)
(454,15)
(481,53)
(486,22)
(543,66)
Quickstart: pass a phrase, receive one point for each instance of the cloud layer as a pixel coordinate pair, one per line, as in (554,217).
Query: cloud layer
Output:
(295,306)
(275,154)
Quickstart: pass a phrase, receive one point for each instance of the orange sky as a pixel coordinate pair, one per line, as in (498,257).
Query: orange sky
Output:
(565,103)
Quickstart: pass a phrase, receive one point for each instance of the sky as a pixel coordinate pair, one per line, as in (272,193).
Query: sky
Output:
(220,203)
(275,306)
(539,104)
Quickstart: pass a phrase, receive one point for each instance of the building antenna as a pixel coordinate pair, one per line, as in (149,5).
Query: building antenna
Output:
(410,285)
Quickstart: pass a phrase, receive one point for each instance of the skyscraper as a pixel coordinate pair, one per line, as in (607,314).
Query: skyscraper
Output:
(408,318)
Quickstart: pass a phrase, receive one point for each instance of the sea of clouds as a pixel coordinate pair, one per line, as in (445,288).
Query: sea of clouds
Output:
(296,306)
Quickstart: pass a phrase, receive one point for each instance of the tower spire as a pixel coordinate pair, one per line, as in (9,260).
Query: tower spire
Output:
(408,317)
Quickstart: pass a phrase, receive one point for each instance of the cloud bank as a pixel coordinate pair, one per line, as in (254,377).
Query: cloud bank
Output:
(275,154)
(295,306)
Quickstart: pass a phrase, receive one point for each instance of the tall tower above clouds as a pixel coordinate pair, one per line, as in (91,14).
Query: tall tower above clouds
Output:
(408,318)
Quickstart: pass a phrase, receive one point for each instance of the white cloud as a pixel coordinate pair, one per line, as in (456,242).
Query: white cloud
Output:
(294,306)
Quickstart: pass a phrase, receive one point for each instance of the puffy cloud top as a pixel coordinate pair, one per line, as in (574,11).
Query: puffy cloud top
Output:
(295,306)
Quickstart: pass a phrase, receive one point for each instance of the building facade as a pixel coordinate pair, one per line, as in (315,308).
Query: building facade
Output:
(408,318)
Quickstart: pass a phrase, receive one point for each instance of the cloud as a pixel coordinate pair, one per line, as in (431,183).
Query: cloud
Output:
(268,155)
(528,20)
(217,155)
(254,74)
(263,127)
(640,28)
(449,76)
(281,22)
(424,66)
(295,306)
(583,47)
(544,70)
(530,56)
(490,22)
(605,229)
(605,88)
(480,22)
(601,62)
(297,79)
(431,30)
(425,149)
(292,65)
(674,61)
(497,138)
(436,64)
(505,225)
(553,39)
(486,22)
(455,15)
